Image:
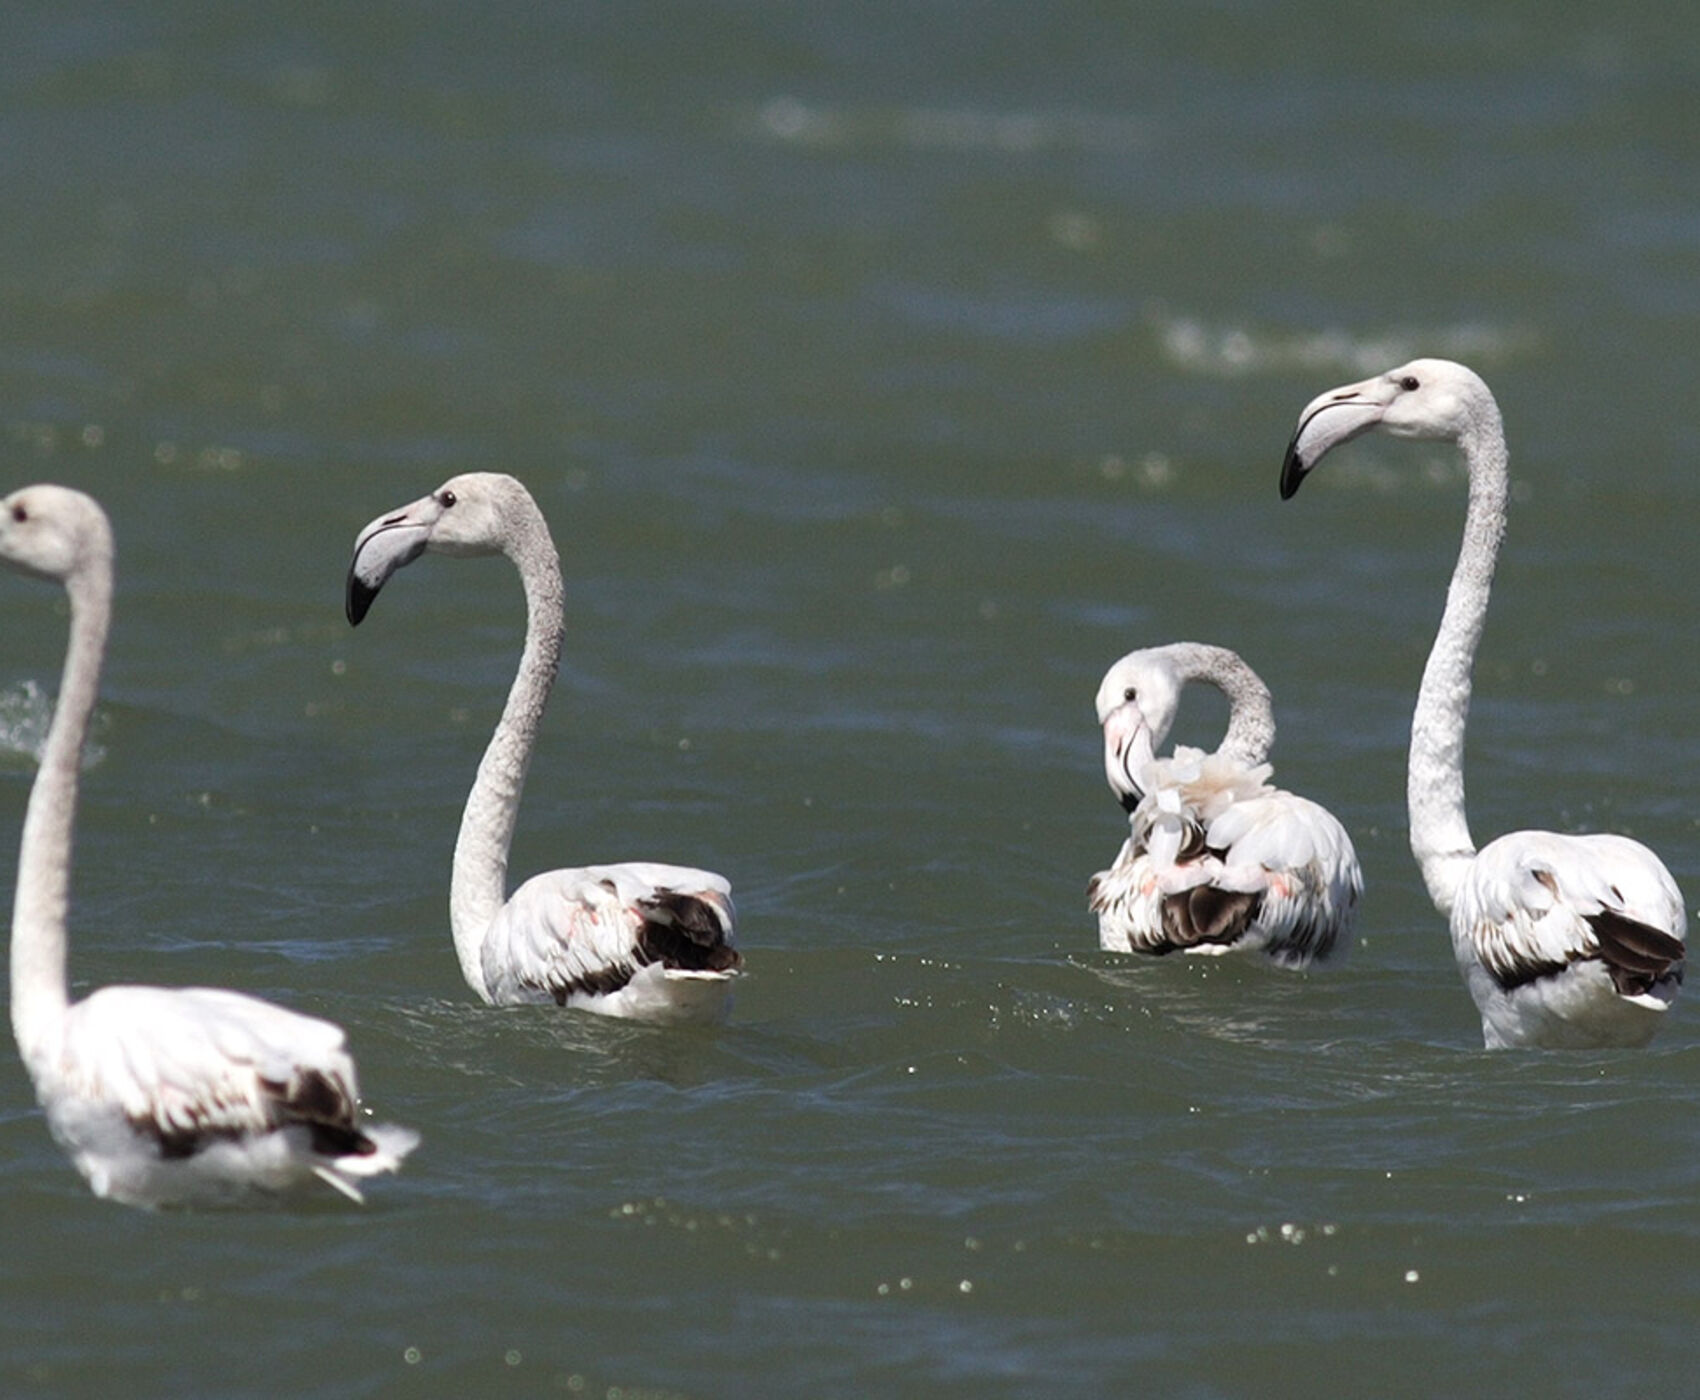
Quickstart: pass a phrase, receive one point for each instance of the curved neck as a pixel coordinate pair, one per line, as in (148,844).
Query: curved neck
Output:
(1251,713)
(478,885)
(41,903)
(1440,830)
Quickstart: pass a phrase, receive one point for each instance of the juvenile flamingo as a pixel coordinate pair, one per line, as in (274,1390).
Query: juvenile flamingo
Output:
(1217,860)
(161,1096)
(1563,941)
(639,939)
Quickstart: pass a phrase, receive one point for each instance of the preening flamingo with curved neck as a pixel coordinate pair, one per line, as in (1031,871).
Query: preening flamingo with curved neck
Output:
(1563,940)
(161,1096)
(1217,859)
(637,939)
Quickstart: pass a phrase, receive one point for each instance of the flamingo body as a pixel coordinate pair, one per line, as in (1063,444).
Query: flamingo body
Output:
(1217,859)
(1564,941)
(1568,941)
(160,1096)
(615,939)
(638,939)
(198,1096)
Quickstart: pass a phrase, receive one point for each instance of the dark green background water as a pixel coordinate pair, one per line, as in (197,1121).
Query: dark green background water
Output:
(887,370)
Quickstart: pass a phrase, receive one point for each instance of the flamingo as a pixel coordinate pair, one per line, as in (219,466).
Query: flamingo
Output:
(161,1096)
(1218,860)
(640,939)
(1562,940)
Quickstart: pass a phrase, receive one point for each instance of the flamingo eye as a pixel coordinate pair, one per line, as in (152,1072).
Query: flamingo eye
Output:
(20,513)
(447,498)
(1131,693)
(1409,382)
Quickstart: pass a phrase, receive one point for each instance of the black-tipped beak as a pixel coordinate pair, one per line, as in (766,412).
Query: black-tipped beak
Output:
(358,601)
(389,543)
(1127,750)
(1329,420)
(1294,469)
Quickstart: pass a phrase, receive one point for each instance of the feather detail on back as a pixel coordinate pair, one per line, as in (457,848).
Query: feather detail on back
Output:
(197,1095)
(623,939)
(1219,860)
(1196,789)
(1569,940)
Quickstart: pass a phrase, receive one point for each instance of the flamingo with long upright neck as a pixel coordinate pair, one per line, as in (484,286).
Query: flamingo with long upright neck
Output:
(161,1096)
(1563,940)
(636,939)
(1217,860)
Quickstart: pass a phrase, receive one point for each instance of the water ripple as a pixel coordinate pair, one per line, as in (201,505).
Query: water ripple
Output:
(26,711)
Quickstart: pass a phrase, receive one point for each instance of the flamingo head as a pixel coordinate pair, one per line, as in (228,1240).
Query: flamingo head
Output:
(51,532)
(1433,399)
(475,513)
(1137,702)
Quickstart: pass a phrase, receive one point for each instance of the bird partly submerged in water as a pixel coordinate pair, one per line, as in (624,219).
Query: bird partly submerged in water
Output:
(638,939)
(1563,940)
(1217,859)
(161,1096)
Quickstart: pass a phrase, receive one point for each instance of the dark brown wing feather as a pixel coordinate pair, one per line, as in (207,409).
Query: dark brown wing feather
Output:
(1206,914)
(1637,955)
(687,932)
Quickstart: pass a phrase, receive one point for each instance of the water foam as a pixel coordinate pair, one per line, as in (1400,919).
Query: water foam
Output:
(26,710)
(1230,351)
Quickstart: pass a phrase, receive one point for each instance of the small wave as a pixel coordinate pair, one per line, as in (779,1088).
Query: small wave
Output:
(798,123)
(1230,351)
(26,710)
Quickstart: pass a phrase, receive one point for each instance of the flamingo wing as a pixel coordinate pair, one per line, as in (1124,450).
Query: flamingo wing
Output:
(1536,902)
(1298,857)
(1218,859)
(587,933)
(187,1067)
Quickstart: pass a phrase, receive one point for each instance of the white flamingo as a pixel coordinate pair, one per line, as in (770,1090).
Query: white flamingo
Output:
(161,1096)
(1563,941)
(637,939)
(1217,860)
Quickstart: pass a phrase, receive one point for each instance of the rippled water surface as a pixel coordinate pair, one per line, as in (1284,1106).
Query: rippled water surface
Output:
(886,372)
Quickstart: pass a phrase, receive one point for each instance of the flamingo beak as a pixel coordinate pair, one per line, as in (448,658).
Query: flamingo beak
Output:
(389,543)
(1127,751)
(1335,417)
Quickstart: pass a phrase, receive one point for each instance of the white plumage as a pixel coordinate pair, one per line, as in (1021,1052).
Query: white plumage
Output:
(1571,934)
(1563,941)
(623,935)
(1217,859)
(638,939)
(160,1096)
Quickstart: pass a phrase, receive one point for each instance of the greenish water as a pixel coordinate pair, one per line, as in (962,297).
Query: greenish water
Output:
(886,371)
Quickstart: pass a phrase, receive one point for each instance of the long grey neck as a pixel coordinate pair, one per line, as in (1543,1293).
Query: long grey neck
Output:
(478,885)
(40,907)
(1440,829)
(1251,713)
